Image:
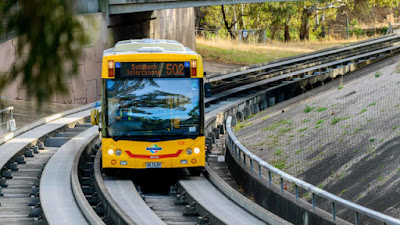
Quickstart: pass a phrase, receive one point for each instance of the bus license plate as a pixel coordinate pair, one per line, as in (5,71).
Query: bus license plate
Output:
(153,165)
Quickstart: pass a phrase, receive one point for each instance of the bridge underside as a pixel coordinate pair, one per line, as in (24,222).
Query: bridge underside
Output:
(131,6)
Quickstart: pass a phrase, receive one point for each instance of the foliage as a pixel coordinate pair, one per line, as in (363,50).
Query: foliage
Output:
(308,109)
(48,45)
(290,20)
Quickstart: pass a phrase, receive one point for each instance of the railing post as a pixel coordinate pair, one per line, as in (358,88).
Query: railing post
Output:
(282,185)
(313,201)
(270,177)
(333,211)
(259,171)
(296,190)
(234,147)
(357,218)
(244,160)
(251,165)
(239,154)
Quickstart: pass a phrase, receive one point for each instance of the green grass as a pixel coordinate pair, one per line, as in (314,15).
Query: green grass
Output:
(280,164)
(306,121)
(378,74)
(395,127)
(357,130)
(321,121)
(242,125)
(303,129)
(232,52)
(363,111)
(335,120)
(278,124)
(380,141)
(343,191)
(284,130)
(372,104)
(318,126)
(372,139)
(322,109)
(278,152)
(308,109)
(340,87)
(236,56)
(299,151)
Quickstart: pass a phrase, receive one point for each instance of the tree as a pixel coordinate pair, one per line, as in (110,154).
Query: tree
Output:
(47,32)
(309,10)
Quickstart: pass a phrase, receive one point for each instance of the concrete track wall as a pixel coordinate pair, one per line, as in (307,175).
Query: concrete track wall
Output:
(83,88)
(175,24)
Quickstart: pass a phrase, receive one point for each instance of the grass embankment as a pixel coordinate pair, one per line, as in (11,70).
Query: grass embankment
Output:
(232,52)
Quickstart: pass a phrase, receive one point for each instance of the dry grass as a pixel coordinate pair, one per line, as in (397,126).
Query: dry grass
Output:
(226,51)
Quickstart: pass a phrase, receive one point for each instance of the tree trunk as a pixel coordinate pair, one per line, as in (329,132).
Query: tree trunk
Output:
(227,26)
(287,33)
(305,25)
(273,31)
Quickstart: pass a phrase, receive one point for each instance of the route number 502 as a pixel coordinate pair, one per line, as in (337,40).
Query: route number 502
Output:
(174,69)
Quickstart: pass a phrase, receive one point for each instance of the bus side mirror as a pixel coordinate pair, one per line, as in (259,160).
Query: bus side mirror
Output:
(94,116)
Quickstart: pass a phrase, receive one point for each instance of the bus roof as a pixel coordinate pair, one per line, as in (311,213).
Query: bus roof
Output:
(148,45)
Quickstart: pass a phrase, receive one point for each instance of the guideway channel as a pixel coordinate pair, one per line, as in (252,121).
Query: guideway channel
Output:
(23,158)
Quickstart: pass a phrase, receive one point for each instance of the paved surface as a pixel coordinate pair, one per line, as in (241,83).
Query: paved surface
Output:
(346,144)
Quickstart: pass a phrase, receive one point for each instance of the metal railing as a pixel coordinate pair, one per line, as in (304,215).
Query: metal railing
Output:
(241,153)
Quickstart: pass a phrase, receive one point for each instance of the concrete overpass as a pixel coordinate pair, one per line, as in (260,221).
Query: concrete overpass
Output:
(133,6)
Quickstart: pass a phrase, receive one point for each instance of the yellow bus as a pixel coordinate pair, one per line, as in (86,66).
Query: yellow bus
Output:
(152,106)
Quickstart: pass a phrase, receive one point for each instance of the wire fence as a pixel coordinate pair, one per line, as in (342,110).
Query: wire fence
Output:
(322,32)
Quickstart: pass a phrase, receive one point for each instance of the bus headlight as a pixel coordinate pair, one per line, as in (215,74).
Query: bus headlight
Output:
(189,151)
(118,152)
(196,150)
(110,151)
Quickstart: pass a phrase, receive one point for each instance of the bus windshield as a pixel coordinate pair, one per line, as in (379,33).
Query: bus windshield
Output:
(152,108)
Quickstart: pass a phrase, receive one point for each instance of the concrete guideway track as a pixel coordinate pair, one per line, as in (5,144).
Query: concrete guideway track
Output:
(302,81)
(57,196)
(209,199)
(20,181)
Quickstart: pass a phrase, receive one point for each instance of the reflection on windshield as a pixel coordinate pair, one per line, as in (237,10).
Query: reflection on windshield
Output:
(153,106)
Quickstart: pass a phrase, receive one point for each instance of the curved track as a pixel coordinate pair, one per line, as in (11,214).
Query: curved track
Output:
(61,174)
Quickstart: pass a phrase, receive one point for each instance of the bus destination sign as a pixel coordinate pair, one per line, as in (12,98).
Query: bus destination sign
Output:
(152,69)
